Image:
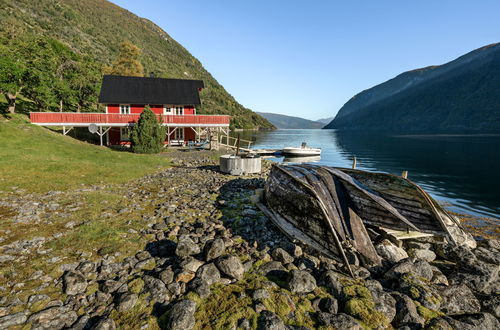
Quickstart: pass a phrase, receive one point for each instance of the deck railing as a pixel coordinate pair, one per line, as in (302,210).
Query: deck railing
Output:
(67,118)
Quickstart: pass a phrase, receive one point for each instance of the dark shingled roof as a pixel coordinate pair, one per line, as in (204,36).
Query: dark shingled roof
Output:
(141,90)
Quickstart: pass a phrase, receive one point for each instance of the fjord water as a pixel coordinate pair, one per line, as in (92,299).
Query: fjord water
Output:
(462,171)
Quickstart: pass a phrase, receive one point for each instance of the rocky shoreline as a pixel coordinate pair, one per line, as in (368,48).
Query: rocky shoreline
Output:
(213,260)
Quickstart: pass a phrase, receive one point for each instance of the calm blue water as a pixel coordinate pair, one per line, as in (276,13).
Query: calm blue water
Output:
(463,171)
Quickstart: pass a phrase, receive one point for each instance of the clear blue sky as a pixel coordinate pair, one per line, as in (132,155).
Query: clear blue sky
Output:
(307,58)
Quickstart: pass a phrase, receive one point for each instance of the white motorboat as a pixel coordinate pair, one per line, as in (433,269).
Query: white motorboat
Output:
(301,151)
(301,160)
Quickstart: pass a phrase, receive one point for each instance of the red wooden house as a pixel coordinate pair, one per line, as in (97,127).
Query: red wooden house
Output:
(174,102)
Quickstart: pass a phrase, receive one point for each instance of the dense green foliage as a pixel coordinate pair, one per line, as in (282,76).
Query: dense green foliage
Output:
(462,95)
(282,121)
(98,28)
(48,73)
(127,63)
(147,135)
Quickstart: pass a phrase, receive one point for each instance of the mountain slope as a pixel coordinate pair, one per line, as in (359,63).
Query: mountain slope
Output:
(282,121)
(97,27)
(325,120)
(462,95)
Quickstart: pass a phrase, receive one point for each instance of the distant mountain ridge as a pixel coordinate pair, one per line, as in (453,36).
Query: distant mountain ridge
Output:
(461,95)
(290,122)
(325,120)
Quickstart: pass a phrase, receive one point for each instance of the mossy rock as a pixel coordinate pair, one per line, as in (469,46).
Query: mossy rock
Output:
(359,304)
(136,285)
(427,313)
(92,288)
(39,305)
(150,265)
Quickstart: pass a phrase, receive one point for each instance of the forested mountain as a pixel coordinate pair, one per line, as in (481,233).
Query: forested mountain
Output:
(283,121)
(462,95)
(92,31)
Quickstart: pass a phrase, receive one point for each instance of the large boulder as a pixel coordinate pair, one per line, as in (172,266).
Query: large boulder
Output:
(186,247)
(104,324)
(390,252)
(423,254)
(57,317)
(407,314)
(331,280)
(156,288)
(181,316)
(231,266)
(481,321)
(491,304)
(300,281)
(339,321)
(208,273)
(477,275)
(420,290)
(416,267)
(270,321)
(282,256)
(74,283)
(384,303)
(458,299)
(126,302)
(12,319)
(213,249)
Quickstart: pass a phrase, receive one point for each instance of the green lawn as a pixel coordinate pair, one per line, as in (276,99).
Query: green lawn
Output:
(39,160)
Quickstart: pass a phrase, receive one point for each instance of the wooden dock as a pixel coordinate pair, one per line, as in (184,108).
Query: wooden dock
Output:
(244,145)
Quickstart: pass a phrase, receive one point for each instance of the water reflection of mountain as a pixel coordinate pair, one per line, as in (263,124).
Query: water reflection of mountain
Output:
(459,168)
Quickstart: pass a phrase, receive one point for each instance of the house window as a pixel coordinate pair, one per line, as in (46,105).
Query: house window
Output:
(124,109)
(124,133)
(179,134)
(167,110)
(179,110)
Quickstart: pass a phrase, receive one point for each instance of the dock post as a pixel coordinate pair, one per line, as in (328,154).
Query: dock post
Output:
(238,145)
(405,174)
(354,163)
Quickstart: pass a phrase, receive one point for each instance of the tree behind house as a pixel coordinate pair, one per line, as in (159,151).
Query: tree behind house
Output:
(147,135)
(127,63)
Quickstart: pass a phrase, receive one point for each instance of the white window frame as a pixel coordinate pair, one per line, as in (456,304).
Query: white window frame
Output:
(179,134)
(124,133)
(179,111)
(125,107)
(167,110)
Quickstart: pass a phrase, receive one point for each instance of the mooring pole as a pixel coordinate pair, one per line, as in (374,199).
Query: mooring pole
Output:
(404,174)
(354,163)
(238,145)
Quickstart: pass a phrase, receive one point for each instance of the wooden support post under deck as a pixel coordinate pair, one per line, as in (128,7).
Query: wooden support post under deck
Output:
(100,134)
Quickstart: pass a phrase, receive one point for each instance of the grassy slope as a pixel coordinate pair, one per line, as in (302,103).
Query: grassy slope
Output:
(97,27)
(38,160)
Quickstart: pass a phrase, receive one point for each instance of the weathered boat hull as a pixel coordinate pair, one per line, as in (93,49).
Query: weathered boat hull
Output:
(331,206)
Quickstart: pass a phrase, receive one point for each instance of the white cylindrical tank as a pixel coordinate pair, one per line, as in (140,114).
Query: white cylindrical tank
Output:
(238,165)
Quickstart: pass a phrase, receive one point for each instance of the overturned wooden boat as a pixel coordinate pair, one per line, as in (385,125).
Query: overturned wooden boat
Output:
(330,209)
